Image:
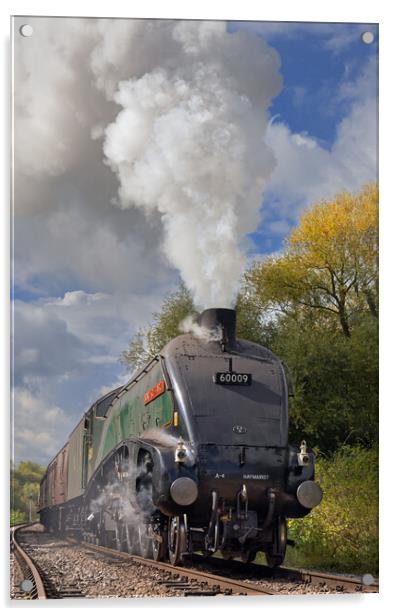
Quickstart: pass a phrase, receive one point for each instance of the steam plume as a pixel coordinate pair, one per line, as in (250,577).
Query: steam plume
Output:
(119,503)
(188,142)
(189,324)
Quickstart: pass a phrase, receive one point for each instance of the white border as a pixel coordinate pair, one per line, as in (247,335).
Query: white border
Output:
(288,10)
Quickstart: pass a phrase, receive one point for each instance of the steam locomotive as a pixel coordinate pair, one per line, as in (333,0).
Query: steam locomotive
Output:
(191,454)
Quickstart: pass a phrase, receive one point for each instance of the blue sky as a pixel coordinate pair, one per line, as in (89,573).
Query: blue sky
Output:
(87,273)
(312,73)
(318,61)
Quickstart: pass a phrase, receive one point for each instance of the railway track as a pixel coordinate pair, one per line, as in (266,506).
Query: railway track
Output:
(189,577)
(198,577)
(36,584)
(32,586)
(336,582)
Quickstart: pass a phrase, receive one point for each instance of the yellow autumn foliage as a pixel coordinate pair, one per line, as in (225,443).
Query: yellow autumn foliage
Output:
(330,262)
(341,234)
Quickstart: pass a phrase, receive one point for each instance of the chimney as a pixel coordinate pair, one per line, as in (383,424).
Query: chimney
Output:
(223,318)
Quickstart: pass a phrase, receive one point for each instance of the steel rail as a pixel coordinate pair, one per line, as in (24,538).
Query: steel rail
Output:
(38,590)
(335,581)
(339,582)
(223,584)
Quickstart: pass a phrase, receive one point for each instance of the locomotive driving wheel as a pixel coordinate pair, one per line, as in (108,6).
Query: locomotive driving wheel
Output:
(177,539)
(159,534)
(149,541)
(159,547)
(275,554)
(248,556)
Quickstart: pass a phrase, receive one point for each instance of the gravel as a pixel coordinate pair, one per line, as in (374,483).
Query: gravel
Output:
(73,570)
(16,577)
(285,586)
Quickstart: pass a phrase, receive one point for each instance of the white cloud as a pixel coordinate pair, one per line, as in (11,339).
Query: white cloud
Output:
(48,100)
(362,86)
(58,337)
(307,172)
(43,345)
(39,428)
(77,298)
(66,350)
(78,246)
(101,320)
(68,232)
(111,385)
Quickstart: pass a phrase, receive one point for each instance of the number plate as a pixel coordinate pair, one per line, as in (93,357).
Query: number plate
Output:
(232,378)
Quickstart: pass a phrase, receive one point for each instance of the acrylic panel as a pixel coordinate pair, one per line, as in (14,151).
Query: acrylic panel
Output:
(195,307)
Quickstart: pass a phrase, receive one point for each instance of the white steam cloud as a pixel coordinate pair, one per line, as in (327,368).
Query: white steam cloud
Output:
(189,143)
(118,502)
(163,439)
(190,325)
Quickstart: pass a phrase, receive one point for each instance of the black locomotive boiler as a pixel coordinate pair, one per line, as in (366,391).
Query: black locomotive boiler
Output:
(191,454)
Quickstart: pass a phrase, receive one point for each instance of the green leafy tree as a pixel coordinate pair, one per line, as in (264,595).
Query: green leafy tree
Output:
(25,487)
(250,324)
(165,326)
(17,517)
(335,381)
(318,312)
(176,307)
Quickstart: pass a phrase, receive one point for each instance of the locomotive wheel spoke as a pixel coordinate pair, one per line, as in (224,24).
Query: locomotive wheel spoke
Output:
(159,547)
(176,539)
(275,554)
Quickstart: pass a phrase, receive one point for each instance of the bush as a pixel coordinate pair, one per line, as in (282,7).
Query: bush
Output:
(341,534)
(17,517)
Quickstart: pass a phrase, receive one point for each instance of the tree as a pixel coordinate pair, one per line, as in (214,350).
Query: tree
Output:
(25,484)
(315,307)
(249,319)
(335,380)
(150,340)
(330,262)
